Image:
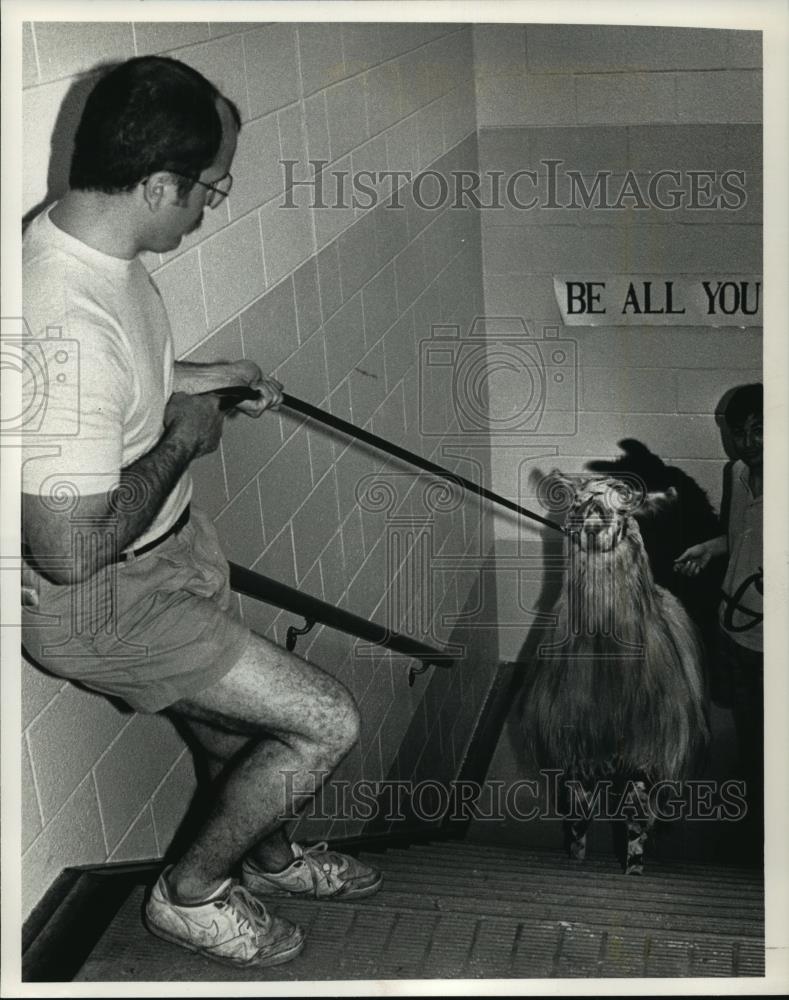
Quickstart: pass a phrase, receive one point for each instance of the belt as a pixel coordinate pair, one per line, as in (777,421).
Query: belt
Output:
(183,520)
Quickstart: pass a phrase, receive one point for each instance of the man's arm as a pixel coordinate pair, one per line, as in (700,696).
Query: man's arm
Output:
(197,378)
(191,377)
(113,520)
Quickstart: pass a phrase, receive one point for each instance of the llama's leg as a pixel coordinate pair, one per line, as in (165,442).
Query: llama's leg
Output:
(639,822)
(578,818)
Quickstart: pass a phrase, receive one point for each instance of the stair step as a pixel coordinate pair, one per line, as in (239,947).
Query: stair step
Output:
(581,877)
(466,910)
(532,926)
(566,872)
(627,891)
(366,940)
(456,846)
(558,861)
(587,911)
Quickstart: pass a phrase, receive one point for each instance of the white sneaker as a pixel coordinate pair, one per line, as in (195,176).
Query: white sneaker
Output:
(230,926)
(316,872)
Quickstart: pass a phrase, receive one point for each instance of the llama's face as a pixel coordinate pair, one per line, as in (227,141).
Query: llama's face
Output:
(598,516)
(603,510)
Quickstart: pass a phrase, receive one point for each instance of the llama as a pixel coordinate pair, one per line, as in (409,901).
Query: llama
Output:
(617,695)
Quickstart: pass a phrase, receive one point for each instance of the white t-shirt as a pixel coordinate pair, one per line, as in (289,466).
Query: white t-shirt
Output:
(98,370)
(742,608)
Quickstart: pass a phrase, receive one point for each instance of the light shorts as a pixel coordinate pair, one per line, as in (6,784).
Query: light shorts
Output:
(153,630)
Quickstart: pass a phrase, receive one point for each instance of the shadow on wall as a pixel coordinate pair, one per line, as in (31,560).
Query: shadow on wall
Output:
(62,142)
(688,521)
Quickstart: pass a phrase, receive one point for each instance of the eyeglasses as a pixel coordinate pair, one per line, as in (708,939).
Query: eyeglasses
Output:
(216,195)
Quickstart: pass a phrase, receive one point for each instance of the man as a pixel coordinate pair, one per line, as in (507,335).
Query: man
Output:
(740,634)
(129,590)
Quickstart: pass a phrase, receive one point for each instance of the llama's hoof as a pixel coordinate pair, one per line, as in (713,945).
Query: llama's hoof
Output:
(634,870)
(577,853)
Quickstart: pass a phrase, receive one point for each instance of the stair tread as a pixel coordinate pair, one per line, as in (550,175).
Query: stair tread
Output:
(371,940)
(571,879)
(587,910)
(570,871)
(404,903)
(478,849)
(655,886)
(547,891)
(455,910)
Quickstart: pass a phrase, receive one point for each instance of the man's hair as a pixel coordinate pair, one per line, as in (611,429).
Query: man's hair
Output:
(144,115)
(746,400)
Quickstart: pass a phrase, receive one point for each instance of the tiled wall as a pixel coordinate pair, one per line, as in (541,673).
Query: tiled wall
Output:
(617,99)
(587,75)
(334,302)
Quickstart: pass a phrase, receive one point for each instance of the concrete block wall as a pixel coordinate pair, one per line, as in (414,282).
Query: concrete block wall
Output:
(337,301)
(563,74)
(617,99)
(332,301)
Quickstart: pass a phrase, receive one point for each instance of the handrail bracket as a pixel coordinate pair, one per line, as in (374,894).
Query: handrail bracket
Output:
(293,633)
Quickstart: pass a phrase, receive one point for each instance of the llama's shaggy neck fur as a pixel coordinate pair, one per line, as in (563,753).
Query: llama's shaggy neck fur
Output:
(611,591)
(618,683)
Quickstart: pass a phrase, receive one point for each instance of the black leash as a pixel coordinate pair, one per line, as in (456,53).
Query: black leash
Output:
(235,394)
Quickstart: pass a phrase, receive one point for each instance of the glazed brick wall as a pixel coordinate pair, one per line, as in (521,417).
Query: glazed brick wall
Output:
(617,99)
(335,303)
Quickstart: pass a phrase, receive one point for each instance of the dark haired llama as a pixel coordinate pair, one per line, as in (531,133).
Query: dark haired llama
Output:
(616,701)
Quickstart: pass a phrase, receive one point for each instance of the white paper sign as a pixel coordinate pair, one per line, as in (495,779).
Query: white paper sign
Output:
(657,300)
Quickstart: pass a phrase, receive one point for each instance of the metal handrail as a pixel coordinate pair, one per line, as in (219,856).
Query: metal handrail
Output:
(232,395)
(313,610)
(404,455)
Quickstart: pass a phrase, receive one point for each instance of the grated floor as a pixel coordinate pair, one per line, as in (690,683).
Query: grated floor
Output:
(460,910)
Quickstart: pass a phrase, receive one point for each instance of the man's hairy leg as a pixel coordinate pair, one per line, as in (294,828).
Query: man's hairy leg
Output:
(218,748)
(288,718)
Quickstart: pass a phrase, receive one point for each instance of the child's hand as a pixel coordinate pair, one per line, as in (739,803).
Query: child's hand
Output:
(693,560)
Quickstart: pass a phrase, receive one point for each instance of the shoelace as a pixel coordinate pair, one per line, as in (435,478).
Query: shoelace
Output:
(254,914)
(327,867)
